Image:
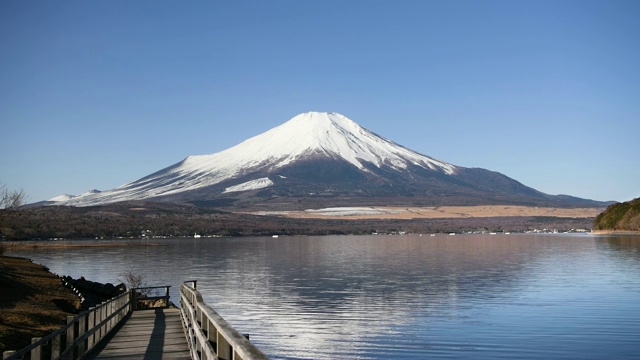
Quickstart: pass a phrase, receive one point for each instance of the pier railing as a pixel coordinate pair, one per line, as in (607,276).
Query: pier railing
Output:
(81,333)
(208,334)
(148,297)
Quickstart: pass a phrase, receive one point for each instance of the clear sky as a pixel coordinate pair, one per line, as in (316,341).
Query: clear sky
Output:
(94,94)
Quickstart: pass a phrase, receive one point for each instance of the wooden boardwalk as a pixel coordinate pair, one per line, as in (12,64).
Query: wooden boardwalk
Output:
(147,334)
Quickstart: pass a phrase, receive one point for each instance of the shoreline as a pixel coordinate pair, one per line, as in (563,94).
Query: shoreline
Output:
(45,243)
(615,232)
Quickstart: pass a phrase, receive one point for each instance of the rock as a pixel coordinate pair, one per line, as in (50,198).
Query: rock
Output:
(93,292)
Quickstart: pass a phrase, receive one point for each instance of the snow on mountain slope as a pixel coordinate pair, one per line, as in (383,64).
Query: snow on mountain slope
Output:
(62,198)
(330,134)
(67,197)
(304,136)
(250,185)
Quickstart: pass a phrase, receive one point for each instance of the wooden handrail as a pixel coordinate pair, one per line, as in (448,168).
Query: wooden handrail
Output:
(81,333)
(138,294)
(209,335)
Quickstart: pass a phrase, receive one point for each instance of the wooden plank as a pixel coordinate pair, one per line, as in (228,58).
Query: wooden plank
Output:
(147,334)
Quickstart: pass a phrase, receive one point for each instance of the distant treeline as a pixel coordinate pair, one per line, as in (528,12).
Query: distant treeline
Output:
(132,219)
(620,217)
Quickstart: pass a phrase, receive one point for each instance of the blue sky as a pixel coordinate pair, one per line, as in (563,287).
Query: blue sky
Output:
(94,94)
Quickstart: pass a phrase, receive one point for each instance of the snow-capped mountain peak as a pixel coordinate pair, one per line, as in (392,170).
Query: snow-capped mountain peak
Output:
(325,133)
(306,136)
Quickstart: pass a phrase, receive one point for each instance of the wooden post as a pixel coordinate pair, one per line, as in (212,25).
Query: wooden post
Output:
(70,336)
(56,346)
(134,305)
(82,329)
(92,323)
(120,304)
(224,349)
(107,325)
(130,305)
(100,332)
(8,353)
(36,353)
(212,335)
(109,313)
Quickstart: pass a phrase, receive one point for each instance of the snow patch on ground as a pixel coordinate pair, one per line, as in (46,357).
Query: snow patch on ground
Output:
(352,211)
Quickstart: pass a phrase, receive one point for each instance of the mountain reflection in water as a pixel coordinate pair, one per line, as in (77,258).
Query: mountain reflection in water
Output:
(407,297)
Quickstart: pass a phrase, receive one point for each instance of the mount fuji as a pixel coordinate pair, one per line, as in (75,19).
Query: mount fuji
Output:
(321,159)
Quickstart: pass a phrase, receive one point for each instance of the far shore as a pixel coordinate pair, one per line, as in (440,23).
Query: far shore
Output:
(71,244)
(615,232)
(435,212)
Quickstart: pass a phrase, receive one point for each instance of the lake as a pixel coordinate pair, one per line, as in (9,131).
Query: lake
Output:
(525,296)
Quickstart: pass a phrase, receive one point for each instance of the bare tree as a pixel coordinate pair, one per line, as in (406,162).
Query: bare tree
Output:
(11,198)
(132,278)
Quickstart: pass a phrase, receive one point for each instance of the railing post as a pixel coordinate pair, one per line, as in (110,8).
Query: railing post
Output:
(107,325)
(224,349)
(119,304)
(56,346)
(82,329)
(36,353)
(107,312)
(99,320)
(8,353)
(111,311)
(70,336)
(134,306)
(92,323)
(212,335)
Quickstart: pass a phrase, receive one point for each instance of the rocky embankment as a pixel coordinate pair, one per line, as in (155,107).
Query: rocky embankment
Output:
(92,293)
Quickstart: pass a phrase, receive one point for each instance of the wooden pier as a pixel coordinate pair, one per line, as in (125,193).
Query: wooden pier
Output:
(133,326)
(147,334)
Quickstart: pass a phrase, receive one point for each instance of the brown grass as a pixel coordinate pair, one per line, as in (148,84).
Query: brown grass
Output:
(33,302)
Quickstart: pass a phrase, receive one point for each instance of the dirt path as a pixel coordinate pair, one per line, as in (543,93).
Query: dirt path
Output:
(33,302)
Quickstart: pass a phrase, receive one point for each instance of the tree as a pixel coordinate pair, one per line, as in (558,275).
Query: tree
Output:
(11,198)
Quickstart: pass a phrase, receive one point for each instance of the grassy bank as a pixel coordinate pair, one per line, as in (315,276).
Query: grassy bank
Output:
(33,302)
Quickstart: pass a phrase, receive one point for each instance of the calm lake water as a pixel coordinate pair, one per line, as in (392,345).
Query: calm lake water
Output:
(401,297)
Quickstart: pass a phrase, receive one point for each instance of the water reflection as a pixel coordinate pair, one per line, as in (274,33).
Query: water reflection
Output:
(624,245)
(406,296)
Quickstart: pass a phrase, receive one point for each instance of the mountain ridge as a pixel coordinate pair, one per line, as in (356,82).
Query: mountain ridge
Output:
(320,156)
